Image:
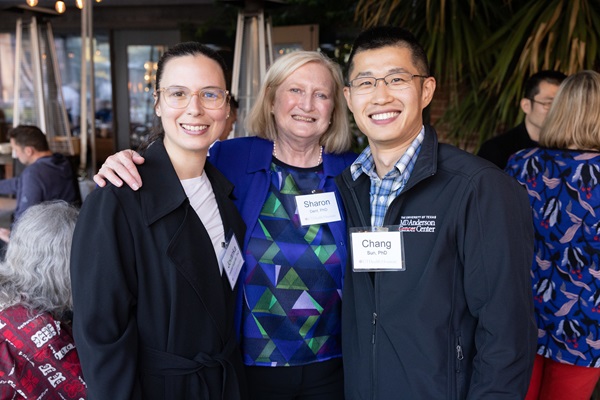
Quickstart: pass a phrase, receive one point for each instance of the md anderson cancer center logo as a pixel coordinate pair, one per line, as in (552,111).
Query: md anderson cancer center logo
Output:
(418,223)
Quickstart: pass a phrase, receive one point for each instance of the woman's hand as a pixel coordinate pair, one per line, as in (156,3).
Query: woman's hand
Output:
(121,167)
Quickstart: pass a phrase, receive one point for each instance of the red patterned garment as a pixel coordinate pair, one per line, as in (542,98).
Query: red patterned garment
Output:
(38,359)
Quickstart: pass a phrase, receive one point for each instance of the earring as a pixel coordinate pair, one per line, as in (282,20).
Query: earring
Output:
(227,115)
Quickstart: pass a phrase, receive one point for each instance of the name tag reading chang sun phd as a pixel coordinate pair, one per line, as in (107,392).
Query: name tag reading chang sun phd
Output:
(377,249)
(317,208)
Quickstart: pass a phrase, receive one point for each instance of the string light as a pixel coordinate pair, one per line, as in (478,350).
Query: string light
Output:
(60,7)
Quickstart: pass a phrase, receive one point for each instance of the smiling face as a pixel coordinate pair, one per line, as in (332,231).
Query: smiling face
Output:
(191,130)
(390,119)
(303,104)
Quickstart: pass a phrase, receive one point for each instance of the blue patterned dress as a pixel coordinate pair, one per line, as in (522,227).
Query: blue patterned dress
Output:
(564,191)
(292,291)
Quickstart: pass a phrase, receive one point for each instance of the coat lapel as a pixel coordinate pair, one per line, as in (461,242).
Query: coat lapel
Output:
(165,205)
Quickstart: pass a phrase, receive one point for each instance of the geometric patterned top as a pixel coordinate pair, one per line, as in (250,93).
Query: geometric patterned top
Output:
(293,286)
(564,191)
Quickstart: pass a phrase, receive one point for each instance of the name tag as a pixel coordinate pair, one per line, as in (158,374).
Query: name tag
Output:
(232,261)
(374,249)
(318,208)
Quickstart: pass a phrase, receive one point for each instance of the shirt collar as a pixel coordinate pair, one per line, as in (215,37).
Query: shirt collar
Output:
(364,163)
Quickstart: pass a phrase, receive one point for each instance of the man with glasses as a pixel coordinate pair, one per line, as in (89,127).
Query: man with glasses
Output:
(437,299)
(540,90)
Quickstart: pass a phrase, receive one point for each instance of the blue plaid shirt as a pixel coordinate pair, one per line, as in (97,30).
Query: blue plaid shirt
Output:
(384,191)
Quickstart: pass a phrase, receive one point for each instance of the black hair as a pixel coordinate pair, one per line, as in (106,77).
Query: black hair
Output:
(29,136)
(233,102)
(383,36)
(532,85)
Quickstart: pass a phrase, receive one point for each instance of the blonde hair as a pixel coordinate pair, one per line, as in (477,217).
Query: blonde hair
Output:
(574,120)
(260,121)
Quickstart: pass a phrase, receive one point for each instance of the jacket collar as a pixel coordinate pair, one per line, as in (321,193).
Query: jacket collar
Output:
(162,191)
(426,164)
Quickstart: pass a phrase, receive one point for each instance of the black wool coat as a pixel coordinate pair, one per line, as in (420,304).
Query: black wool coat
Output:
(153,317)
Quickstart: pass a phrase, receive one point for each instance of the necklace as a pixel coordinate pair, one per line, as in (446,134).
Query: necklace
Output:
(319,161)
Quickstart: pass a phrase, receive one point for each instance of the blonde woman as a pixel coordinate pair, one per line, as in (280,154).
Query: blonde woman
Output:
(562,177)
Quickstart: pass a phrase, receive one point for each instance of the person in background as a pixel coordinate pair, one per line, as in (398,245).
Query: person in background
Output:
(437,301)
(231,119)
(540,90)
(71,98)
(155,272)
(47,176)
(295,254)
(38,358)
(562,178)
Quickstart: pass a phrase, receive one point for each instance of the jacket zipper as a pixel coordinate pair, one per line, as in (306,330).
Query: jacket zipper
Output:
(374,322)
(373,367)
(459,354)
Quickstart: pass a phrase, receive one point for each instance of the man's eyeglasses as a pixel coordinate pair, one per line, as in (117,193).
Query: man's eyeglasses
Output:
(395,81)
(211,98)
(545,104)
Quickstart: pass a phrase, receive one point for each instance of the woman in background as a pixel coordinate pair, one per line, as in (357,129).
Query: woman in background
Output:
(38,358)
(562,177)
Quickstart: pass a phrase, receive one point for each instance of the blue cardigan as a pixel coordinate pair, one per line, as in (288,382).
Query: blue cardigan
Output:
(246,162)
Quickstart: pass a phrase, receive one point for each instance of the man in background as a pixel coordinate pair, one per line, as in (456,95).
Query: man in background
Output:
(47,176)
(540,90)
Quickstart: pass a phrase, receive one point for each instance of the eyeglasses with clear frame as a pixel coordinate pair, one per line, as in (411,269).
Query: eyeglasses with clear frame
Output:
(545,104)
(394,81)
(211,98)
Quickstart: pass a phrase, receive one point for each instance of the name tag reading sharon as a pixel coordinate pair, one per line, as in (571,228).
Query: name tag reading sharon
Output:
(318,208)
(377,250)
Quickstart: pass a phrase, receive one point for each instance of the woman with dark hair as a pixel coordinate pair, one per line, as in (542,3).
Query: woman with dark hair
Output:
(37,355)
(562,177)
(155,271)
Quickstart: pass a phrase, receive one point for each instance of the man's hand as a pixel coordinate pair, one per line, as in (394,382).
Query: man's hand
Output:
(121,167)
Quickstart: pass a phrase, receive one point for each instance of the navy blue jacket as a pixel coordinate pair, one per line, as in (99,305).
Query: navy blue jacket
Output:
(458,322)
(48,178)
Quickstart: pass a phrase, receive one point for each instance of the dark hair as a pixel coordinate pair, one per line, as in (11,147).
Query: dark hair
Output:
(383,36)
(29,136)
(233,102)
(179,50)
(532,85)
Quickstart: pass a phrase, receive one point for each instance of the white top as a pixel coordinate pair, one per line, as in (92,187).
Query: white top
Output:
(202,198)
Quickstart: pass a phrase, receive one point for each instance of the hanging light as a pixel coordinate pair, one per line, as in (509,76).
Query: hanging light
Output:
(32,3)
(60,7)
(79,4)
(98,1)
